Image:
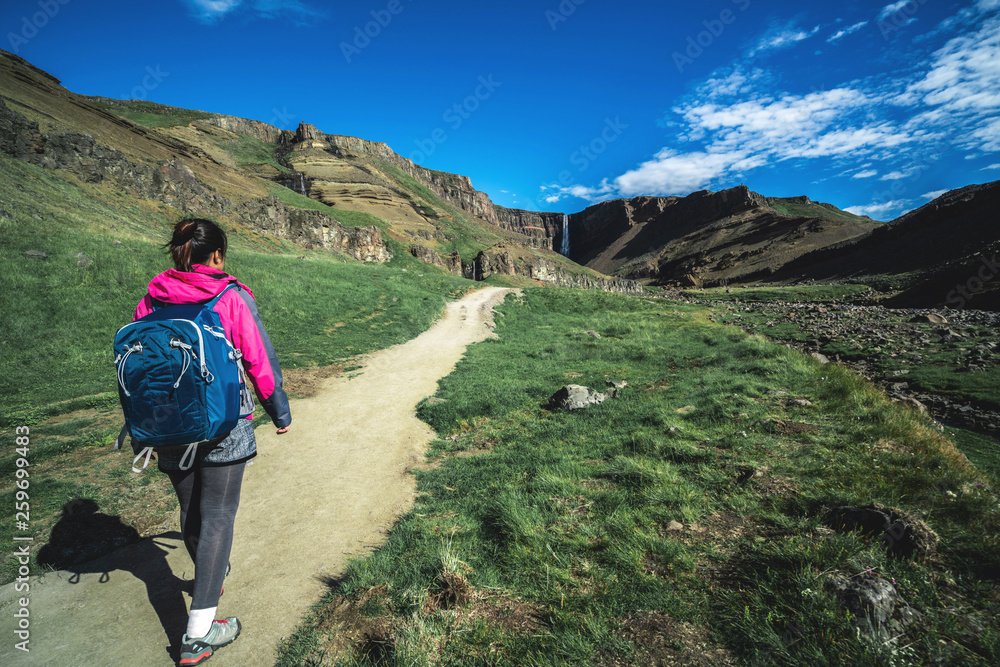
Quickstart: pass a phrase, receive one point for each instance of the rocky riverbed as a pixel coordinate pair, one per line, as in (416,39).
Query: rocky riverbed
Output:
(945,361)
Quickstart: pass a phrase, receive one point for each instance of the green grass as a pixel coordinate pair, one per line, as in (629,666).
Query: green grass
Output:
(892,282)
(813,210)
(983,451)
(150,114)
(782,293)
(251,151)
(462,235)
(570,513)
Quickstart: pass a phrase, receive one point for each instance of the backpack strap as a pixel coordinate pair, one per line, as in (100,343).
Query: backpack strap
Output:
(157,304)
(211,304)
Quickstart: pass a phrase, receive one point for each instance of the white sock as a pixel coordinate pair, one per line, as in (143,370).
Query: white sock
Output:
(200,622)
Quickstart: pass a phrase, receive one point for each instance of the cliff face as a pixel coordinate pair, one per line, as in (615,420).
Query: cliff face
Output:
(607,235)
(454,188)
(545,228)
(507,261)
(253,128)
(174,183)
(705,237)
(947,229)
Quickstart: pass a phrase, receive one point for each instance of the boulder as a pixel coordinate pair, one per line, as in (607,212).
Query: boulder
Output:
(901,534)
(870,599)
(578,397)
(949,335)
(929,318)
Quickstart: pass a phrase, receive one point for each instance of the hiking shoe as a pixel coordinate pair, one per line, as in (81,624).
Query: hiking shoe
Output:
(196,650)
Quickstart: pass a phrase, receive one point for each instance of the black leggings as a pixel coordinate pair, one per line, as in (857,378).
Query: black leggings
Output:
(209,496)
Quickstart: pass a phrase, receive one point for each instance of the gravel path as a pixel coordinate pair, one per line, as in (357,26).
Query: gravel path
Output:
(325,492)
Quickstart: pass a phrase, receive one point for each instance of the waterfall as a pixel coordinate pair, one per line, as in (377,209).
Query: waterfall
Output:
(302,184)
(564,250)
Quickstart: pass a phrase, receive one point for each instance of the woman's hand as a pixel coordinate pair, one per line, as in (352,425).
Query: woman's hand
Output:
(284,429)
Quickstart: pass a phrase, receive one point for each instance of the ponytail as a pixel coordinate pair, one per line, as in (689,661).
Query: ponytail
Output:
(194,240)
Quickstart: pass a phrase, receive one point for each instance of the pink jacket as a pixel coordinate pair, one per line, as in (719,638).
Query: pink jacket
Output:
(238,311)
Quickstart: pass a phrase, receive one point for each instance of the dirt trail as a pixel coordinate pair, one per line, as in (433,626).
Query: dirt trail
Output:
(315,497)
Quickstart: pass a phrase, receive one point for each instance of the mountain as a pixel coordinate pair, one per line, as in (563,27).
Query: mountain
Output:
(947,251)
(343,193)
(706,237)
(359,198)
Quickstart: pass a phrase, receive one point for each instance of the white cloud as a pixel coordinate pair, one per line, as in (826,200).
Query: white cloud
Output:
(933,195)
(210,11)
(781,36)
(986,137)
(992,166)
(820,124)
(740,119)
(889,10)
(876,210)
(735,83)
(673,173)
(601,193)
(964,76)
(848,30)
(213,11)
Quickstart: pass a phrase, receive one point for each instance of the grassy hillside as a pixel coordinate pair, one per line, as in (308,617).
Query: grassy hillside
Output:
(681,523)
(149,114)
(796,206)
(60,313)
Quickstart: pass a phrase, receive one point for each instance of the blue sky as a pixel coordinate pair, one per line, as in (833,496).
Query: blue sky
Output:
(557,104)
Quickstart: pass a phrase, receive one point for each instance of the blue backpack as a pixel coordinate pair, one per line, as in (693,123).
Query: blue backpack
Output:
(180,380)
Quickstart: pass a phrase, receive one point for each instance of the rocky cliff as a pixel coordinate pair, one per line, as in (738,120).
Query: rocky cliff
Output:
(950,245)
(252,128)
(545,228)
(174,183)
(607,235)
(508,260)
(705,237)
(454,188)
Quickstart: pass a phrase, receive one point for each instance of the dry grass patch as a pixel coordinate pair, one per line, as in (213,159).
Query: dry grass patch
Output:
(306,382)
(661,640)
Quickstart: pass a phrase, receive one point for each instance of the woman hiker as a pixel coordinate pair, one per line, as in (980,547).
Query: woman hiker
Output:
(209,491)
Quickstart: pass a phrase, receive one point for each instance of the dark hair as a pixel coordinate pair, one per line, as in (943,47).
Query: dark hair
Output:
(193,242)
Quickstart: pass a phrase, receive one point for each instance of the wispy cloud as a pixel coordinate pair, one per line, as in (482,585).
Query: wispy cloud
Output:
(740,119)
(995,165)
(212,11)
(897,175)
(781,36)
(933,195)
(891,9)
(846,31)
(877,210)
